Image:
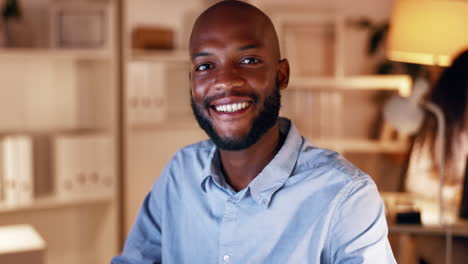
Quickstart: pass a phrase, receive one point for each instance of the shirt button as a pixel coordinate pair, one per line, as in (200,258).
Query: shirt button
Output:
(226,258)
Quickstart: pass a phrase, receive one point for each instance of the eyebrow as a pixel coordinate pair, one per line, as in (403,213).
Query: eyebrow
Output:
(247,47)
(203,54)
(200,54)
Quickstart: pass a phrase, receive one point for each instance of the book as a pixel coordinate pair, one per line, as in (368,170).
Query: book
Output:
(24,163)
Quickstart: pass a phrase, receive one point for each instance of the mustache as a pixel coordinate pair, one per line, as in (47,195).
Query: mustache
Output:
(207,101)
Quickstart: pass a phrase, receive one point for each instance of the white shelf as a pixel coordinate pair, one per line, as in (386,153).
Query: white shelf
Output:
(160,56)
(49,53)
(400,83)
(55,132)
(52,202)
(180,122)
(360,145)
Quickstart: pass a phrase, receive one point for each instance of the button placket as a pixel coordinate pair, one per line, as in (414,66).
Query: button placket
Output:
(227,231)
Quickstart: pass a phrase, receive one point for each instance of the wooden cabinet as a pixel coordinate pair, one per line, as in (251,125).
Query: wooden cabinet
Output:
(63,98)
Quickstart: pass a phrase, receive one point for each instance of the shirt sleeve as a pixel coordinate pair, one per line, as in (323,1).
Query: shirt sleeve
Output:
(359,228)
(143,245)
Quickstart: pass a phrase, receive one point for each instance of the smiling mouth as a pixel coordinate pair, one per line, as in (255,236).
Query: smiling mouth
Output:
(232,108)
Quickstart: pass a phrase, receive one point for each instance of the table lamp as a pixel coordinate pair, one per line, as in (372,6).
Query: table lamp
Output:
(430,32)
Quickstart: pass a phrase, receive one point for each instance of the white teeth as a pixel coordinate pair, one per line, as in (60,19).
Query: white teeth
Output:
(230,108)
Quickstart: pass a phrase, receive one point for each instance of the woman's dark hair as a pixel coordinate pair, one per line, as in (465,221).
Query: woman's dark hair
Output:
(451,95)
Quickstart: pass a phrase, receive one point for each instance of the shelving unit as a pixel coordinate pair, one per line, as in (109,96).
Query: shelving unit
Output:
(152,141)
(327,129)
(49,53)
(322,89)
(69,97)
(54,202)
(155,132)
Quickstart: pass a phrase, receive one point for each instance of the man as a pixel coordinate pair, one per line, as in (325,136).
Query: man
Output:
(257,192)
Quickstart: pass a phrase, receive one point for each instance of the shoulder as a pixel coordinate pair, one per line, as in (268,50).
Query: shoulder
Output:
(328,163)
(189,161)
(336,178)
(199,152)
(186,168)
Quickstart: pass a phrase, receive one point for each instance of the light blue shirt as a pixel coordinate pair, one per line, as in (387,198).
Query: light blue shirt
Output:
(308,205)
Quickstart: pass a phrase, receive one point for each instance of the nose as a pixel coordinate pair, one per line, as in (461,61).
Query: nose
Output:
(228,78)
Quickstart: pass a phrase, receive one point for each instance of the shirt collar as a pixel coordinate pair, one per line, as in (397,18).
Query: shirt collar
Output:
(273,176)
(211,167)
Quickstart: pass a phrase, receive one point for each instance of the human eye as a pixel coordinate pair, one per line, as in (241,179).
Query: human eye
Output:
(249,60)
(203,67)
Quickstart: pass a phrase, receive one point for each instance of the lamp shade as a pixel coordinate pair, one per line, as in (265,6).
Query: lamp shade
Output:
(428,31)
(405,113)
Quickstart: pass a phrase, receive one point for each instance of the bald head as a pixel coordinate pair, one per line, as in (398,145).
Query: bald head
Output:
(233,16)
(236,75)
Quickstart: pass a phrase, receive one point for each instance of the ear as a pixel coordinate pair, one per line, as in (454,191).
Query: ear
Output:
(283,73)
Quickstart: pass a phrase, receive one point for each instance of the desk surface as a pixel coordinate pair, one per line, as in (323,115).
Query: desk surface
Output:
(458,228)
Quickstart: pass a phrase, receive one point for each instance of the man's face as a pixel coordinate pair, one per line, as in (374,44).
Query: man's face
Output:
(235,91)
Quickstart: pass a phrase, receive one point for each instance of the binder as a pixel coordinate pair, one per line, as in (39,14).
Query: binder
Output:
(18,180)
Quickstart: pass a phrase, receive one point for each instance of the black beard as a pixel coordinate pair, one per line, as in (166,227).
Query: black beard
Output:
(265,120)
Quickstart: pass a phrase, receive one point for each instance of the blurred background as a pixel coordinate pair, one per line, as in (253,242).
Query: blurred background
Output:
(94,101)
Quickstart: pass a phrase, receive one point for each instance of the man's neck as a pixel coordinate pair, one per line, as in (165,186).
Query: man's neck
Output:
(241,167)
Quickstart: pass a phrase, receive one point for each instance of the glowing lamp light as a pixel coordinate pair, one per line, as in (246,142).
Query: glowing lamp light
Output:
(428,31)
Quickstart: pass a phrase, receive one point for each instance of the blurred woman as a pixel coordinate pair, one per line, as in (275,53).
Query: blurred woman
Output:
(451,95)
